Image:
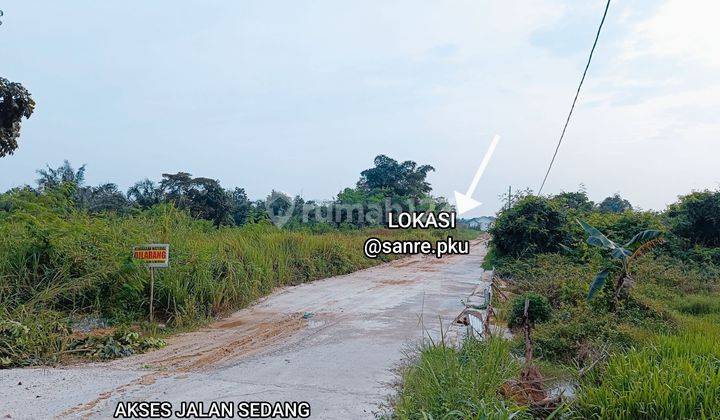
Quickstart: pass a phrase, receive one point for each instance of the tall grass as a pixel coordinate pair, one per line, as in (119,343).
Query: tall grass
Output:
(446,383)
(55,258)
(675,377)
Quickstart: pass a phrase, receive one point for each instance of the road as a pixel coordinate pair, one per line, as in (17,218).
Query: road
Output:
(335,343)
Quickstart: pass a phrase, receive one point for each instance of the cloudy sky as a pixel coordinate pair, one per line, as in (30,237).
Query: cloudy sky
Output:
(301,95)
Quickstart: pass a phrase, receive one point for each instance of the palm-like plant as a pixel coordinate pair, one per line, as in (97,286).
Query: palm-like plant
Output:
(621,256)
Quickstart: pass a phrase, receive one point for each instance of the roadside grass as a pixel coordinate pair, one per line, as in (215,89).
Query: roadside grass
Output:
(650,350)
(663,344)
(663,341)
(674,376)
(447,383)
(59,264)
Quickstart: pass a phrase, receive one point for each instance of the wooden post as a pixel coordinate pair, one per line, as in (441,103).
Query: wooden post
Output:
(486,324)
(152,291)
(488,311)
(526,328)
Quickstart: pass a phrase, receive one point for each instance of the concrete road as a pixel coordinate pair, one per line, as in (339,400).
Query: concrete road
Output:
(335,343)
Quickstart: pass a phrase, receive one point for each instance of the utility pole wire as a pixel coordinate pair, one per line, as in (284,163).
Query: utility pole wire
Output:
(577,93)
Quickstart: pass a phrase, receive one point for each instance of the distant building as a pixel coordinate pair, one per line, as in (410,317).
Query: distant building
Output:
(478,223)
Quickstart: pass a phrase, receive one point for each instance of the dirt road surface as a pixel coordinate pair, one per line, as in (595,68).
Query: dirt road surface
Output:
(335,343)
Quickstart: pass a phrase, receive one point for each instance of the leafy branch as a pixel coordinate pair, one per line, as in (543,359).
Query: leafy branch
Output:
(621,256)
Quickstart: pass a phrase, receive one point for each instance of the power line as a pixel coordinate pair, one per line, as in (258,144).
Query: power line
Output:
(577,93)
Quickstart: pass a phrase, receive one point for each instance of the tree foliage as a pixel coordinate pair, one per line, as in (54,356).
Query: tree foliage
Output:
(15,103)
(103,198)
(50,178)
(533,225)
(393,178)
(145,194)
(576,200)
(696,218)
(204,198)
(388,184)
(614,204)
(240,206)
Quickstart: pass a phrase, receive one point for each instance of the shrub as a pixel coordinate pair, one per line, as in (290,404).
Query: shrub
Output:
(554,276)
(532,226)
(538,309)
(574,334)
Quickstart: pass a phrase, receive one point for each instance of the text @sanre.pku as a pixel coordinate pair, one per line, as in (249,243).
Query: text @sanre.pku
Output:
(375,247)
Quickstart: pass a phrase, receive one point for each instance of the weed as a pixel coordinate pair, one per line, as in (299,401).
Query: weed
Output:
(459,384)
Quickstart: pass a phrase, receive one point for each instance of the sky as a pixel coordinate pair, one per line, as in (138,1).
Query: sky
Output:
(301,96)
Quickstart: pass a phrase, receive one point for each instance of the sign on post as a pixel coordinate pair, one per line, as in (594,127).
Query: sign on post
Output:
(153,256)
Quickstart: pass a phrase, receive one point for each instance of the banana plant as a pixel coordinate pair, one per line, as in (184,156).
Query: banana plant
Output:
(621,256)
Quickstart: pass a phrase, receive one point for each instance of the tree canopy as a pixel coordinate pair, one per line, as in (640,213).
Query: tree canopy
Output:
(396,179)
(54,177)
(614,204)
(388,186)
(15,103)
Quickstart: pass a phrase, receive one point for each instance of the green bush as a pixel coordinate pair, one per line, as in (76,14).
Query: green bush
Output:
(557,277)
(578,327)
(532,226)
(538,309)
(696,218)
(576,334)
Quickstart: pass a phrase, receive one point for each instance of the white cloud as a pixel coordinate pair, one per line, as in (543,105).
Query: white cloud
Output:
(687,30)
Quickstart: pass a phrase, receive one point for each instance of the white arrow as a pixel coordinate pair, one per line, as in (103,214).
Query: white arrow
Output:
(465,202)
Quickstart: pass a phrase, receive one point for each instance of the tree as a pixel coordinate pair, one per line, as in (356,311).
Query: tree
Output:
(54,177)
(279,207)
(389,186)
(145,194)
(696,218)
(204,198)
(175,187)
(574,201)
(298,205)
(104,197)
(258,212)
(396,179)
(240,206)
(208,200)
(15,103)
(614,204)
